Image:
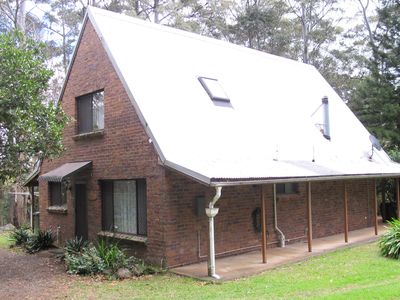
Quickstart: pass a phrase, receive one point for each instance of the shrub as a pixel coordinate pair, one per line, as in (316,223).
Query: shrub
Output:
(104,258)
(20,236)
(41,240)
(389,243)
(112,256)
(76,245)
(88,262)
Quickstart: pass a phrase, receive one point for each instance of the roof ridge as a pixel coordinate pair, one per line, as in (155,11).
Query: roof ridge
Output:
(192,35)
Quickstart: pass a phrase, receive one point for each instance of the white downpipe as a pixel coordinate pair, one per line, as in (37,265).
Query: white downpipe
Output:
(211,212)
(282,238)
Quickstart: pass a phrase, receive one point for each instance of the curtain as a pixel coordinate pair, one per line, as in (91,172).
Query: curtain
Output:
(125,210)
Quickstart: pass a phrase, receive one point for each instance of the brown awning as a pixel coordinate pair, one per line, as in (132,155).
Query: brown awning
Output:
(68,169)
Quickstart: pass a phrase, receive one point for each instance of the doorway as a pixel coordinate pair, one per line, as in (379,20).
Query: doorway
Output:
(81,222)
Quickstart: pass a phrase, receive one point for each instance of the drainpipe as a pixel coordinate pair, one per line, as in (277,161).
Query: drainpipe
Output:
(211,212)
(327,130)
(281,235)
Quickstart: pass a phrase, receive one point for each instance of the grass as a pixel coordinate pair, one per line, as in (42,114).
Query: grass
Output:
(5,243)
(353,273)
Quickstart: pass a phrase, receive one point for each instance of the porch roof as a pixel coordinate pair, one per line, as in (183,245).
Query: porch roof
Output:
(65,170)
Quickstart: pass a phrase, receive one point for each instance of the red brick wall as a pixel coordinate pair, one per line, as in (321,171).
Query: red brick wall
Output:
(123,152)
(175,233)
(187,234)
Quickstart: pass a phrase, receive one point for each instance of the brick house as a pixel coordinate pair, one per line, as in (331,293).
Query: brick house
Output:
(165,123)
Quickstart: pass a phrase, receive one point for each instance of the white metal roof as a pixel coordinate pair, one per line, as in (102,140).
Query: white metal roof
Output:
(267,133)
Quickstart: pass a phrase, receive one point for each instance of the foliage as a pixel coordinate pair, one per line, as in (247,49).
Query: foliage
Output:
(377,97)
(41,240)
(111,255)
(5,242)
(389,243)
(87,262)
(104,258)
(20,236)
(28,127)
(75,245)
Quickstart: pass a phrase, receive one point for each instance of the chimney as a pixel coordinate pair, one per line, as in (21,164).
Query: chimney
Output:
(327,132)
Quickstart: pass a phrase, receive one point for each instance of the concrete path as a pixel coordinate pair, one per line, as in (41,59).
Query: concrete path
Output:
(250,263)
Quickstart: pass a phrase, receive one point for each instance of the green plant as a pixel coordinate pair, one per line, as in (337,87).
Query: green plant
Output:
(112,256)
(20,236)
(104,258)
(88,262)
(75,245)
(41,240)
(389,243)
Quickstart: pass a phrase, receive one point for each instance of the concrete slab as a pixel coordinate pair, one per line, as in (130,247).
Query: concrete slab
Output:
(243,265)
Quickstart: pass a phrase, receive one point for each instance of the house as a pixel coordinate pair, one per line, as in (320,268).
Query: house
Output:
(185,148)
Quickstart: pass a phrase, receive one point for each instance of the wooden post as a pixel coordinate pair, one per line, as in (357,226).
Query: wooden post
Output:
(263,226)
(346,215)
(383,205)
(375,209)
(398,197)
(309,218)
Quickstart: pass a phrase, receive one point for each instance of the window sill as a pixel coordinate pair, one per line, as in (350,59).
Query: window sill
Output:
(88,135)
(124,236)
(58,209)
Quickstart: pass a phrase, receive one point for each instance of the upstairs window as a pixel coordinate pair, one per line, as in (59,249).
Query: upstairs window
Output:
(287,188)
(214,89)
(90,112)
(124,206)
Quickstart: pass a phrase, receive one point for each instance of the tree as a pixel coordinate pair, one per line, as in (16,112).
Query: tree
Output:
(28,126)
(377,97)
(314,18)
(263,25)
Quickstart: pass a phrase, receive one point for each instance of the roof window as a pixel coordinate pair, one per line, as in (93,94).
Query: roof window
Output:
(214,89)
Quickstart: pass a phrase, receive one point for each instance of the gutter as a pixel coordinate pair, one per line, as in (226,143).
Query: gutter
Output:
(302,179)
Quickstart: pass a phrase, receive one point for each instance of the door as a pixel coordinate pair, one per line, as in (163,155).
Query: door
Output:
(81,222)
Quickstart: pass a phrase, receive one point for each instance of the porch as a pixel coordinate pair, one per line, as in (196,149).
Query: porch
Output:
(242,265)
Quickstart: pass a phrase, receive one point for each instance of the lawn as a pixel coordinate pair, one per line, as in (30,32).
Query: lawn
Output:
(353,273)
(4,241)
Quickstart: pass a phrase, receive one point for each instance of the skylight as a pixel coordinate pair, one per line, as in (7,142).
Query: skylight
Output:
(214,89)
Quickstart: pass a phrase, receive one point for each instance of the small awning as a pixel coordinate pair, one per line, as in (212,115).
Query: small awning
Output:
(68,169)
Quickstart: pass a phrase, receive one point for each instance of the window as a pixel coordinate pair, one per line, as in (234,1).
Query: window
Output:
(124,206)
(90,112)
(56,194)
(214,89)
(287,188)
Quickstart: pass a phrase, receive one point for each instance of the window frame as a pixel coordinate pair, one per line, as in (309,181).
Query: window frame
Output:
(91,114)
(294,190)
(62,201)
(141,191)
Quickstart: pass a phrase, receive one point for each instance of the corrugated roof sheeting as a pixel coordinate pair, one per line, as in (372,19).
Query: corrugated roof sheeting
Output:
(268,131)
(65,170)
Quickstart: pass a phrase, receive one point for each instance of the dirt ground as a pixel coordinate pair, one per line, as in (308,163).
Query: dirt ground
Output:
(39,276)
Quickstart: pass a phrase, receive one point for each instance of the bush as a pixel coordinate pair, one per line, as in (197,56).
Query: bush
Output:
(76,245)
(87,262)
(20,236)
(389,243)
(105,258)
(112,256)
(41,240)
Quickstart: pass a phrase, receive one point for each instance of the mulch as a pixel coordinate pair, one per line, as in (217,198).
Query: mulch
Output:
(37,276)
